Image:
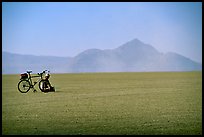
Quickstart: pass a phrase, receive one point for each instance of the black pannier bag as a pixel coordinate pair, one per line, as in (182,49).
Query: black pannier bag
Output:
(24,76)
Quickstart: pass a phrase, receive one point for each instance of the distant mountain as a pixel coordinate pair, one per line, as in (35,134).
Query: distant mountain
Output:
(131,56)
(16,63)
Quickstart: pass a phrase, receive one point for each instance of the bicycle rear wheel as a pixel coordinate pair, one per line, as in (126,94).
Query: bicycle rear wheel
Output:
(24,86)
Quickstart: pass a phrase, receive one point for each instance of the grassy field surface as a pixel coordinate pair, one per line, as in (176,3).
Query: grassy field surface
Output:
(152,103)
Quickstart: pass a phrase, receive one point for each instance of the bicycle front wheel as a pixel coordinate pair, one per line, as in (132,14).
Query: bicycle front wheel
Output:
(44,86)
(24,86)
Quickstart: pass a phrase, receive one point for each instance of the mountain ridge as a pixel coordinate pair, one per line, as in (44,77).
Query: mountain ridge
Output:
(133,56)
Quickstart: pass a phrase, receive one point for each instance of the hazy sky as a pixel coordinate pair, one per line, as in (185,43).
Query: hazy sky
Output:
(66,29)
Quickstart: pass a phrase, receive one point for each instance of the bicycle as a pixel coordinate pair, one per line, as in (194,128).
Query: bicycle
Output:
(26,83)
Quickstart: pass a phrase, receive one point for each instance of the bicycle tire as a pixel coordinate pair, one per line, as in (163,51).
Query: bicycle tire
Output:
(24,86)
(42,85)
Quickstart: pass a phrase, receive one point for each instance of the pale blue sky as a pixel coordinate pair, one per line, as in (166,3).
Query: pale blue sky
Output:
(66,29)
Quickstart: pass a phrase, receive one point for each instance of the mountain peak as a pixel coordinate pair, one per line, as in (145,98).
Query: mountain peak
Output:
(134,42)
(136,46)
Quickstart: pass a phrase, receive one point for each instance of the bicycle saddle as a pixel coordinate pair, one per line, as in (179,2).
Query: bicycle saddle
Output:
(29,71)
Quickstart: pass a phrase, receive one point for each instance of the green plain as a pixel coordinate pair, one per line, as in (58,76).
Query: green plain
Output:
(148,103)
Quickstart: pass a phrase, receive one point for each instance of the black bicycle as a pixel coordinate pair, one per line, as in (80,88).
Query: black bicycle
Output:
(26,83)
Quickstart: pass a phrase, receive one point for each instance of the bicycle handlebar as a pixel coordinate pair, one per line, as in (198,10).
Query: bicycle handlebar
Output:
(43,72)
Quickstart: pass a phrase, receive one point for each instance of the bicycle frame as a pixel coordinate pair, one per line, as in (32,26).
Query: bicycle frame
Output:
(35,82)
